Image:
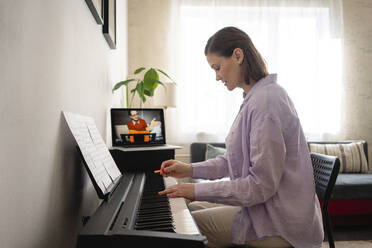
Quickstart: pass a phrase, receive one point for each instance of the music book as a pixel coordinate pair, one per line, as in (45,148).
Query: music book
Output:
(101,166)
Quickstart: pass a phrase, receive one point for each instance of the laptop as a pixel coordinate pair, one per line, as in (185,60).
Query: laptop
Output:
(137,127)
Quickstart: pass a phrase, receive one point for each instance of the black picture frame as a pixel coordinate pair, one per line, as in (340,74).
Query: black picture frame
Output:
(96,7)
(109,22)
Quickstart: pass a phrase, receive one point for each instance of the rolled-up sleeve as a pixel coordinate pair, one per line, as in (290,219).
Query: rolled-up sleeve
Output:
(265,163)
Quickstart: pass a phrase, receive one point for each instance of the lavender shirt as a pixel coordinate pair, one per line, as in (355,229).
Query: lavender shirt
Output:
(270,169)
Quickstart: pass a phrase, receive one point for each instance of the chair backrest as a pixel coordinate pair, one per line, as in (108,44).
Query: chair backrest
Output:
(326,169)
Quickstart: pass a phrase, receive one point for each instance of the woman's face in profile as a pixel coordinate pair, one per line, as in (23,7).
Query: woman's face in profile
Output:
(228,70)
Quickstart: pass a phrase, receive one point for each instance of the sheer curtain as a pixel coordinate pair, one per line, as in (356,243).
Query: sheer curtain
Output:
(300,40)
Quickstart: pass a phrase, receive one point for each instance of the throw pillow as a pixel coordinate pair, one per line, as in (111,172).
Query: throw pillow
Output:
(351,155)
(213,151)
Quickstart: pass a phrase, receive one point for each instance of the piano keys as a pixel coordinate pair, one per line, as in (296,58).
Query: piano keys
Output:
(161,209)
(136,214)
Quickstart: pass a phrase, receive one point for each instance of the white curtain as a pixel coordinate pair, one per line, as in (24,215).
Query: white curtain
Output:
(300,41)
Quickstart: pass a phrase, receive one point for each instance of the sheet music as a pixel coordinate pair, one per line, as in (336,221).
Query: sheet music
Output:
(93,148)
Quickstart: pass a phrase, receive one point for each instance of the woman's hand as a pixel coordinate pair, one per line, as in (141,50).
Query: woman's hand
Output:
(186,190)
(176,169)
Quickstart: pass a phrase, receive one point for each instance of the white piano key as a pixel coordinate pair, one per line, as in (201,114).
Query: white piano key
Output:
(182,219)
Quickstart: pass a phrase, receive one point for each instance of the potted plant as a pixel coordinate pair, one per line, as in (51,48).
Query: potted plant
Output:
(145,86)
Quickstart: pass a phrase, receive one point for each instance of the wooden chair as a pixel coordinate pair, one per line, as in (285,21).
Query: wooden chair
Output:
(326,170)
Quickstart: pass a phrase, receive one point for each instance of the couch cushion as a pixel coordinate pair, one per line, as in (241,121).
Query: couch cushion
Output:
(353,186)
(210,151)
(198,149)
(351,155)
(214,151)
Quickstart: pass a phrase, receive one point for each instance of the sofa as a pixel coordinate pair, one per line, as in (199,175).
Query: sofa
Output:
(351,201)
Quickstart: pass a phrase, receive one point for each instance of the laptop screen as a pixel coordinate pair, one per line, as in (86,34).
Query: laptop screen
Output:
(137,127)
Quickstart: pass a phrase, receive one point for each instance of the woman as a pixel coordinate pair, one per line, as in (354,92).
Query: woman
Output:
(270,200)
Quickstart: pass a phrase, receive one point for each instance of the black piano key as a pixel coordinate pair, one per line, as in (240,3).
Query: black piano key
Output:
(154,223)
(159,225)
(163,229)
(146,221)
(157,216)
(155,205)
(142,220)
(155,198)
(154,212)
(149,215)
(154,202)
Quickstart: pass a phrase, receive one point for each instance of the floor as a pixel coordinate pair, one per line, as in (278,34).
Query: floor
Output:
(350,244)
(352,237)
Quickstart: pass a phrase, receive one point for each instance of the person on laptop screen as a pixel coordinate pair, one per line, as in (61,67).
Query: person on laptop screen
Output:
(155,127)
(133,127)
(136,123)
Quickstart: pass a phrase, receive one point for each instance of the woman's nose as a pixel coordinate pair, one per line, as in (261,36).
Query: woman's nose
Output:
(218,78)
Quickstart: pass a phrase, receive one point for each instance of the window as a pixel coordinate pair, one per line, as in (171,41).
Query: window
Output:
(297,42)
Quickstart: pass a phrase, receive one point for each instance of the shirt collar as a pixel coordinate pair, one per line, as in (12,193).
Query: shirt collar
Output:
(269,79)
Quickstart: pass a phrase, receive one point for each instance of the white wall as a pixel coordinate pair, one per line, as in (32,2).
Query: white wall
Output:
(357,123)
(53,57)
(147,38)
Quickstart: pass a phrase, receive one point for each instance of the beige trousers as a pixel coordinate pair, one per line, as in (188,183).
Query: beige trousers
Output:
(215,222)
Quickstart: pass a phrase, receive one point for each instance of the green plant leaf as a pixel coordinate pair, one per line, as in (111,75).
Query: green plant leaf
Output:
(118,85)
(150,78)
(165,74)
(149,92)
(139,70)
(140,90)
(141,95)
(127,96)
(131,101)
(138,86)
(161,83)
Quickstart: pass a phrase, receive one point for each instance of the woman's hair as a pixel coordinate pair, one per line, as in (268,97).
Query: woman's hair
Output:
(226,40)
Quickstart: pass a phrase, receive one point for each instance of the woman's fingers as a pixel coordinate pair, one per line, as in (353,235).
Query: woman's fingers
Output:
(175,168)
(167,168)
(185,190)
(168,191)
(166,164)
(173,195)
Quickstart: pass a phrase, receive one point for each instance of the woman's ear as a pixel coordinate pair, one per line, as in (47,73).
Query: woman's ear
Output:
(238,55)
